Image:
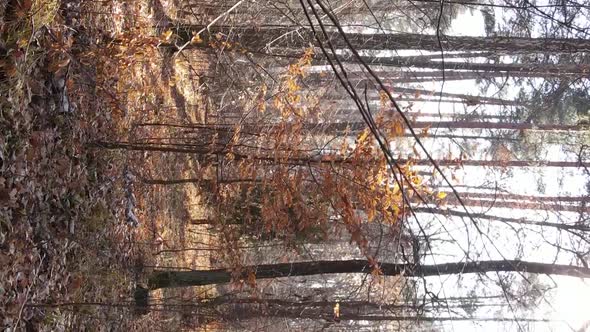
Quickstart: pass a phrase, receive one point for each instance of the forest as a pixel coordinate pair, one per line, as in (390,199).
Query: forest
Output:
(295,165)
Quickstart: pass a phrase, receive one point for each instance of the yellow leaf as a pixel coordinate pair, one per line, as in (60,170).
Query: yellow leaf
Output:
(398,128)
(363,136)
(370,214)
(196,39)
(22,42)
(416,180)
(441,195)
(167,35)
(337,310)
(343,148)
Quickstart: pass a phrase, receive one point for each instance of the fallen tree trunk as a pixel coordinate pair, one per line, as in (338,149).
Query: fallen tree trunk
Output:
(166,279)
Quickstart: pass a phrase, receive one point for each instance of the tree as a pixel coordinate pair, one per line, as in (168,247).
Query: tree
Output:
(164,279)
(491,217)
(256,39)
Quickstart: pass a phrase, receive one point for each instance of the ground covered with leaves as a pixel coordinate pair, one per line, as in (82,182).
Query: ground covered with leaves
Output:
(76,223)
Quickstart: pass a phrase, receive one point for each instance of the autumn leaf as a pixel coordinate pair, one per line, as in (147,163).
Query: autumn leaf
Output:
(441,195)
(363,136)
(22,42)
(343,148)
(23,8)
(424,132)
(166,36)
(383,98)
(57,63)
(370,214)
(398,128)
(196,40)
(337,310)
(251,281)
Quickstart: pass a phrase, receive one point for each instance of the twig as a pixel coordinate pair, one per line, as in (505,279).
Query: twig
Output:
(22,307)
(209,26)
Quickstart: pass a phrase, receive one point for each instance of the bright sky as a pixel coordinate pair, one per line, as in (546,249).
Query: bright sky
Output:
(571,301)
(468,24)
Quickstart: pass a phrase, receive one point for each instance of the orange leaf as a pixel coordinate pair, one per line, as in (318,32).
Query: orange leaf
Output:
(425,132)
(167,35)
(251,281)
(196,40)
(363,136)
(398,128)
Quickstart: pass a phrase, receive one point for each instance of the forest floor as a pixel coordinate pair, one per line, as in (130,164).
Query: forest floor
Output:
(74,73)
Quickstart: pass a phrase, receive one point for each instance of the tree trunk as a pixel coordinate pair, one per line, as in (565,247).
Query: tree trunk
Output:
(510,196)
(258,38)
(501,163)
(339,94)
(349,311)
(165,279)
(323,159)
(514,201)
(476,71)
(545,205)
(485,216)
(356,126)
(515,69)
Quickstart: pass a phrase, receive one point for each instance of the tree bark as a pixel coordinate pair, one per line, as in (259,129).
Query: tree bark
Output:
(351,312)
(509,196)
(514,69)
(485,216)
(323,159)
(166,279)
(476,71)
(259,38)
(517,205)
(356,126)
(501,163)
(459,97)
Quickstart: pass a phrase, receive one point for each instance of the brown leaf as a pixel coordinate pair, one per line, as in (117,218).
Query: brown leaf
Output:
(8,197)
(57,64)
(23,7)
(4,196)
